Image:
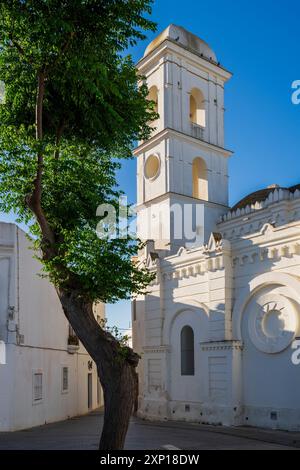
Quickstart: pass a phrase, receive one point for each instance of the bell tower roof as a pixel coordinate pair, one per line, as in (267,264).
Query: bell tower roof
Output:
(185,39)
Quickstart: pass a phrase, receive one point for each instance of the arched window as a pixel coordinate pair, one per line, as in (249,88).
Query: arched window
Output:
(153,96)
(200,183)
(197,108)
(187,351)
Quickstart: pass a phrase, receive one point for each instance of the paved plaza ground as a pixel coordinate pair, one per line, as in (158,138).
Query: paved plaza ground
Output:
(83,433)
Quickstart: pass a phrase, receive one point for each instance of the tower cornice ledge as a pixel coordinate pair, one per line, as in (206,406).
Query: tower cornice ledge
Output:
(169,45)
(163,197)
(143,147)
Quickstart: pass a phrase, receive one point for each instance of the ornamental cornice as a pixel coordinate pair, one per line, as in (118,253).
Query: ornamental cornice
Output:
(279,195)
(267,252)
(156,349)
(222,346)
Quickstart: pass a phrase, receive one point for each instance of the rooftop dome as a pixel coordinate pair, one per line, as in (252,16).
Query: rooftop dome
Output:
(261,195)
(185,39)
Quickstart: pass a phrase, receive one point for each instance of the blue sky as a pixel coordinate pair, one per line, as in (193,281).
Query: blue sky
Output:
(259,41)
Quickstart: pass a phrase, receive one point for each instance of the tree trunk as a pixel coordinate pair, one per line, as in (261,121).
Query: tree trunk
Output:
(119,398)
(115,365)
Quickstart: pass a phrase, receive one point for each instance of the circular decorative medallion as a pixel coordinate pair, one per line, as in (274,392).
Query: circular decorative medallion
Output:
(152,167)
(273,326)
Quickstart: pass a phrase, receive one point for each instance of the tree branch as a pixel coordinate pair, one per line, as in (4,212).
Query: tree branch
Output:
(39,105)
(34,200)
(58,137)
(19,48)
(63,49)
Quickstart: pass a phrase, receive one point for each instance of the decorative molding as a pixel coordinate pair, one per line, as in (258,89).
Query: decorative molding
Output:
(199,262)
(250,221)
(214,243)
(167,132)
(271,253)
(245,294)
(182,251)
(273,326)
(156,349)
(191,263)
(274,197)
(222,346)
(196,269)
(152,260)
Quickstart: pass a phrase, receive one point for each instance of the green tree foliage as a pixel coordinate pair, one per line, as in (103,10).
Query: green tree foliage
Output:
(72,108)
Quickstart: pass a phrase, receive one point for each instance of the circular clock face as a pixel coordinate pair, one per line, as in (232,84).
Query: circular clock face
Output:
(274,323)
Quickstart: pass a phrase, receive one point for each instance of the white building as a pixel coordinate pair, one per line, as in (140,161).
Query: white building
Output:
(47,376)
(216,331)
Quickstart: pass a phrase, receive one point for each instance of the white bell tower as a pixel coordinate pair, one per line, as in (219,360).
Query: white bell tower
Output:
(182,170)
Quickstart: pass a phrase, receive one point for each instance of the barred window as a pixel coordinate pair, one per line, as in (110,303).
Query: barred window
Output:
(65,379)
(37,386)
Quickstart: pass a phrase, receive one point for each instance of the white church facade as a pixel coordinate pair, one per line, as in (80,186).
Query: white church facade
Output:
(217,329)
(45,373)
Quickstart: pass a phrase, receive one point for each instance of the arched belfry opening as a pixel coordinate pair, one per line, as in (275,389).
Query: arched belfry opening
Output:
(197,108)
(200,182)
(153,96)
(187,351)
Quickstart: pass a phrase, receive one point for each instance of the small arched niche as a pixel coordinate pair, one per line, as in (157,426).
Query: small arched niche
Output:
(153,96)
(152,167)
(200,183)
(187,344)
(197,107)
